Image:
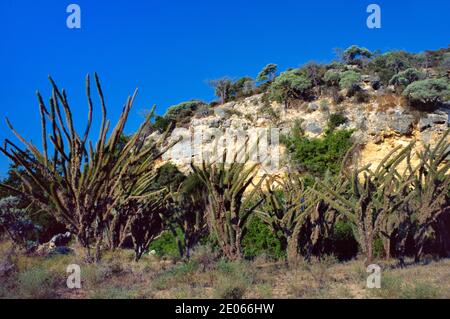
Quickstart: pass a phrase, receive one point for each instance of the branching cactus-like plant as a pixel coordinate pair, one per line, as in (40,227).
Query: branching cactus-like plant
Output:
(286,203)
(78,182)
(231,200)
(431,200)
(187,207)
(368,196)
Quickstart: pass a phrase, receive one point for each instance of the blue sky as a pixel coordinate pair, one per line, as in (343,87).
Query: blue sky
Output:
(169,49)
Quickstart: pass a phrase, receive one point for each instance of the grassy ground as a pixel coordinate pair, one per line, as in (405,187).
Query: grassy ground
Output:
(117,276)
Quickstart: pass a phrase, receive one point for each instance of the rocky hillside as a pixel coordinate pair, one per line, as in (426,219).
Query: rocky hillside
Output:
(382,108)
(377,129)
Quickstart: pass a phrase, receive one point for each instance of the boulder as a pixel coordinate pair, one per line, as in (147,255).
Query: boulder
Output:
(401,123)
(313,127)
(424,123)
(376,123)
(436,118)
(312,107)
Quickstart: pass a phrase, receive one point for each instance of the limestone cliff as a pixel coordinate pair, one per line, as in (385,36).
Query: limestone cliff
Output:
(379,125)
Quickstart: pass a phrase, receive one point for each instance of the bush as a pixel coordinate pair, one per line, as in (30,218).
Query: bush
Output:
(317,155)
(169,176)
(243,87)
(161,123)
(405,78)
(259,240)
(290,85)
(268,73)
(352,54)
(389,64)
(332,78)
(349,80)
(178,115)
(336,120)
(427,94)
(166,245)
(16,223)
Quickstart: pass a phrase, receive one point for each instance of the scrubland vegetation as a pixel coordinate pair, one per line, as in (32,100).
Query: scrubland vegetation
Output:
(142,230)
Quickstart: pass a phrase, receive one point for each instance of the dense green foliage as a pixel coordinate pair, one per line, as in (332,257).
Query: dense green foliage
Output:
(260,240)
(268,73)
(166,245)
(349,79)
(405,78)
(179,115)
(336,119)
(332,77)
(318,155)
(290,85)
(354,54)
(428,93)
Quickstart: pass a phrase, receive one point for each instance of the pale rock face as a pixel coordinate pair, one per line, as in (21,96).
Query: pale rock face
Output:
(235,126)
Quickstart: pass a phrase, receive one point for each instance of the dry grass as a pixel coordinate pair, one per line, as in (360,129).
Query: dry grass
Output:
(117,276)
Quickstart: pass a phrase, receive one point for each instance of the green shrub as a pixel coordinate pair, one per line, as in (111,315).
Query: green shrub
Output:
(268,73)
(332,77)
(179,115)
(317,155)
(388,64)
(405,78)
(290,85)
(166,245)
(353,54)
(335,120)
(178,275)
(161,123)
(259,240)
(421,290)
(349,80)
(427,94)
(169,176)
(112,292)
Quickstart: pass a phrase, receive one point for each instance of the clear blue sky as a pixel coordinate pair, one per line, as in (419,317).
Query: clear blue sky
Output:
(170,48)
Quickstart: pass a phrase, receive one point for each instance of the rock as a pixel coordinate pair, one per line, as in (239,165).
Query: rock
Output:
(60,239)
(221,112)
(424,123)
(401,123)
(436,118)
(313,127)
(376,123)
(214,122)
(226,124)
(312,107)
